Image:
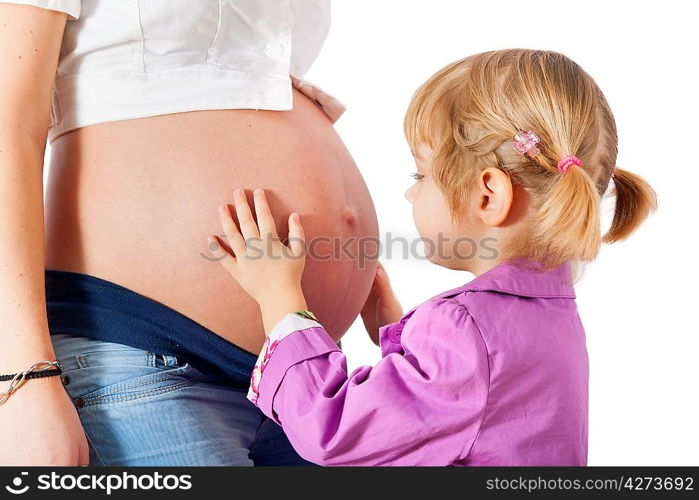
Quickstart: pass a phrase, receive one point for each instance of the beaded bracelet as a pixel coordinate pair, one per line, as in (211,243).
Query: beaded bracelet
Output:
(18,378)
(307,314)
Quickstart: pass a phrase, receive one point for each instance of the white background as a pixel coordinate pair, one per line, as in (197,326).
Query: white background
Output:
(638,300)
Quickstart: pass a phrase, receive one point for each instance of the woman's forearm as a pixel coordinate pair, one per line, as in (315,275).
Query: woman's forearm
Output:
(24,334)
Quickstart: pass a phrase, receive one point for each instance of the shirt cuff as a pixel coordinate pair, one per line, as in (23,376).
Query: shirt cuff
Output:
(299,345)
(288,324)
(70,7)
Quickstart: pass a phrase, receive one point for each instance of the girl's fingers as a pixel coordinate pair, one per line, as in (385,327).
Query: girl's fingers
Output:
(297,238)
(381,276)
(247,223)
(235,239)
(264,215)
(383,284)
(219,252)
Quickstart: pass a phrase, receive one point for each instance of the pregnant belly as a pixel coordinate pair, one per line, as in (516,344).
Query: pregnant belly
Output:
(133,202)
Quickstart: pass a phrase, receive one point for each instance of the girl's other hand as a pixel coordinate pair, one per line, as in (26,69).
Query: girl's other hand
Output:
(381,306)
(263,266)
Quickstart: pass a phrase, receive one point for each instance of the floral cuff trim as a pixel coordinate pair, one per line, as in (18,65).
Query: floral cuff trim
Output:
(289,324)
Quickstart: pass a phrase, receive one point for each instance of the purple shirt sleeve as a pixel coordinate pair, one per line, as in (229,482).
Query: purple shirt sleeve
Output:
(419,405)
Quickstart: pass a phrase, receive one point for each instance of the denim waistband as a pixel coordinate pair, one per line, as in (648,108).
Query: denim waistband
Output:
(84,305)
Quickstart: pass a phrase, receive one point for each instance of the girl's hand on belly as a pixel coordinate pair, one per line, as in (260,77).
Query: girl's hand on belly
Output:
(382,306)
(267,269)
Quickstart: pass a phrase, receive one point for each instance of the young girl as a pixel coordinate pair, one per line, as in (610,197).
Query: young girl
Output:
(514,148)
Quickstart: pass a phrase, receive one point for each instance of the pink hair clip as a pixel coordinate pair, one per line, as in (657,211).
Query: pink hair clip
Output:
(566,162)
(525,143)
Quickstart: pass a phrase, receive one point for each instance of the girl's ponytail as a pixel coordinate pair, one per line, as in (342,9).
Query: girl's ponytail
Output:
(635,200)
(567,225)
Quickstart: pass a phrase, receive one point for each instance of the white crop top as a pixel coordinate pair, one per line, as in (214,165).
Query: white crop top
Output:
(123,59)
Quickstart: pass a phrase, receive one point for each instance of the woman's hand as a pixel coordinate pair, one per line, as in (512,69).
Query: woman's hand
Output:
(40,426)
(269,271)
(381,306)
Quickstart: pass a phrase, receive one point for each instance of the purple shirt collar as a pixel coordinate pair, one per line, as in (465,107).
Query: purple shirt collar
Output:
(518,277)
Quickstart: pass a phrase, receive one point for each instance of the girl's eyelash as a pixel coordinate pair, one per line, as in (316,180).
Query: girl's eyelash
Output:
(416,176)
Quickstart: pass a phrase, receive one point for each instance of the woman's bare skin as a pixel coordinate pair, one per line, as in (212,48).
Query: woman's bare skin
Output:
(115,188)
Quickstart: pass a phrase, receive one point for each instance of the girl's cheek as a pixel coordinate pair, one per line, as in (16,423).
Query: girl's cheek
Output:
(421,215)
(417,214)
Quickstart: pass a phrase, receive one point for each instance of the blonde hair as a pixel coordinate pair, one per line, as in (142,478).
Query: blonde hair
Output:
(468,113)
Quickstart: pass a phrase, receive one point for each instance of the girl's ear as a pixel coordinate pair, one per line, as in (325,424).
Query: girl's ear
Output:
(494,195)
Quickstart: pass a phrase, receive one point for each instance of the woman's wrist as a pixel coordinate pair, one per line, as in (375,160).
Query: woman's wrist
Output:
(23,355)
(11,383)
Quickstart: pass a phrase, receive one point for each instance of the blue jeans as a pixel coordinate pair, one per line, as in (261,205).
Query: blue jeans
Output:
(142,408)
(152,386)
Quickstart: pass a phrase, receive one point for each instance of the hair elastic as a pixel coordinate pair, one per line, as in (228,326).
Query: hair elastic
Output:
(566,162)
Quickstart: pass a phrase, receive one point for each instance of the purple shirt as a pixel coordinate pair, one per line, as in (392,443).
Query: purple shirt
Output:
(494,372)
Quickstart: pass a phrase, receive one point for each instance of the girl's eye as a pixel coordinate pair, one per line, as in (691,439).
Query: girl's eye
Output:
(416,176)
